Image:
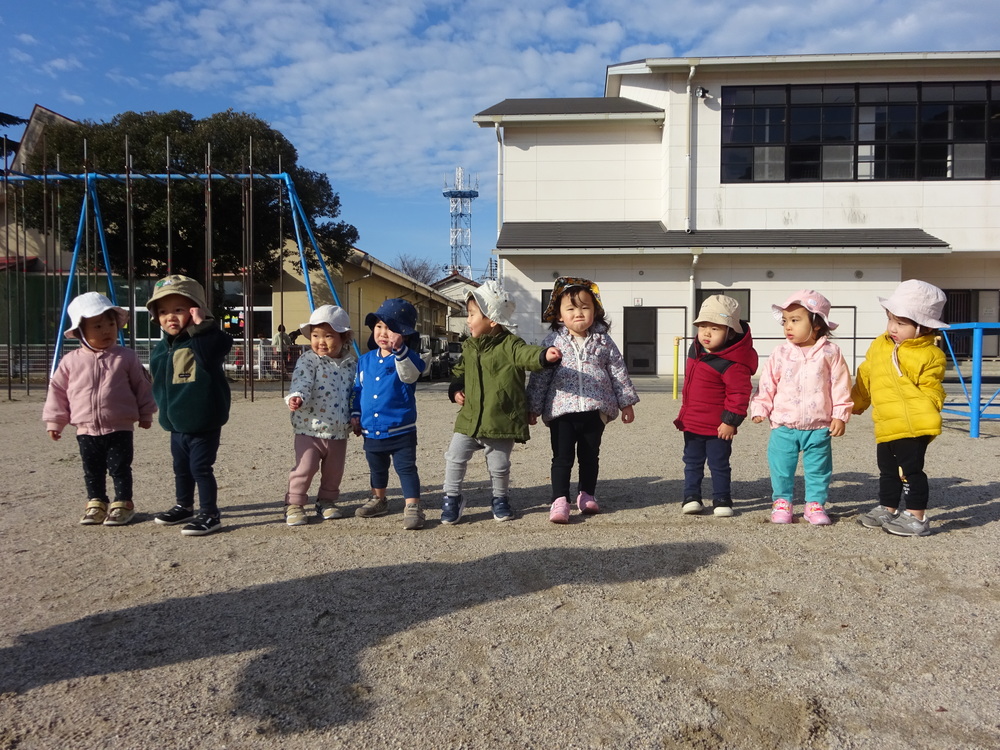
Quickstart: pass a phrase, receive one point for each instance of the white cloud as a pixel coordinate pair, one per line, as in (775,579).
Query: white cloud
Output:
(61,65)
(26,39)
(69,96)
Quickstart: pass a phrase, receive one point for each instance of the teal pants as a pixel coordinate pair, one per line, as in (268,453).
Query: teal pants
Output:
(783,451)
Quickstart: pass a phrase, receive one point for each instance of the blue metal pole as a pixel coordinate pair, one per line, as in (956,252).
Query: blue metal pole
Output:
(112,294)
(69,286)
(975,401)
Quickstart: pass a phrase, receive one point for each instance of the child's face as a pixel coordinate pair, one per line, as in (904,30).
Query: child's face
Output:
(174,313)
(385,339)
(798,326)
(325,341)
(900,329)
(101,332)
(712,336)
(479,324)
(576,311)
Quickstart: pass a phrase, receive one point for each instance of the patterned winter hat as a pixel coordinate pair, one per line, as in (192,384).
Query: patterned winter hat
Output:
(562,285)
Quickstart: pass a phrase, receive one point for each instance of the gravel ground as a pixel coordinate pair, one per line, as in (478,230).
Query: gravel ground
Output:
(636,628)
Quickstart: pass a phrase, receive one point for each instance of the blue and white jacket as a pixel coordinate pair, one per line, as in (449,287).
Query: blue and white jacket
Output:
(384,390)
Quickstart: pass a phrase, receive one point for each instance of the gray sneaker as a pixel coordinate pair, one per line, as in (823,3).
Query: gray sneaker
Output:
(374,507)
(413,517)
(908,525)
(877,517)
(329,510)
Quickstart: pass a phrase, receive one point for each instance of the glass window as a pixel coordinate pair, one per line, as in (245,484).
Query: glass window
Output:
(838,162)
(737,164)
(769,163)
(769,95)
(969,161)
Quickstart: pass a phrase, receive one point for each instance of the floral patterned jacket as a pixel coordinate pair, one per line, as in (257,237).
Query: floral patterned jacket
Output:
(591,377)
(325,386)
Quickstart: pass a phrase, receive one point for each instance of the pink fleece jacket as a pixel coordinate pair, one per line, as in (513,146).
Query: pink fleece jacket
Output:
(99,392)
(804,388)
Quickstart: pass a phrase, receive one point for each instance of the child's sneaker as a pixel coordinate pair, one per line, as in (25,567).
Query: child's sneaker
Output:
(877,517)
(906,524)
(501,509)
(376,506)
(119,514)
(559,512)
(413,517)
(97,511)
(452,509)
(202,524)
(177,514)
(781,511)
(723,509)
(587,503)
(295,515)
(329,511)
(692,506)
(816,515)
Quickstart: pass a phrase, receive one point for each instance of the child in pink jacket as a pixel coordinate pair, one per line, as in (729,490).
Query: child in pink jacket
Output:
(101,389)
(805,391)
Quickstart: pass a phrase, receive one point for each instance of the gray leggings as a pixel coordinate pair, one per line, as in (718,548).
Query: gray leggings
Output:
(457,456)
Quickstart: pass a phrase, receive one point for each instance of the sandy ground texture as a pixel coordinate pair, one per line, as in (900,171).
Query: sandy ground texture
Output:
(636,628)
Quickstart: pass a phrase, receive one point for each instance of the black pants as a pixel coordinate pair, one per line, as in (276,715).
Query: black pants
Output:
(107,454)
(194,458)
(901,481)
(576,435)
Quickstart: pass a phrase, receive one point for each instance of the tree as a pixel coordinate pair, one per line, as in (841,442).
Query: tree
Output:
(228,136)
(422,269)
(9,121)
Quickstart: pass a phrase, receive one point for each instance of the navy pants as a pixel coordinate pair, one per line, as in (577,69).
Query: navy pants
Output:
(699,449)
(194,458)
(107,454)
(399,451)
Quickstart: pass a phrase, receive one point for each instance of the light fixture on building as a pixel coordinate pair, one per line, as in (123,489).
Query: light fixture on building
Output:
(770,274)
(701,92)
(858,274)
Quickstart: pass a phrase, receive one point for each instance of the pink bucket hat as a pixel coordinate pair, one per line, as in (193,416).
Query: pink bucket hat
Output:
(812,301)
(919,301)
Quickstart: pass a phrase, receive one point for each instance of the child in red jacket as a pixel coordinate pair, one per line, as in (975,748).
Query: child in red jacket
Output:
(716,396)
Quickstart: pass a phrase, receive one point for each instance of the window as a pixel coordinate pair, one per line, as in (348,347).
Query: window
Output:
(881,131)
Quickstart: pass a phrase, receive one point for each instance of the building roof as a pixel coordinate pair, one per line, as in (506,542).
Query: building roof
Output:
(652,237)
(586,109)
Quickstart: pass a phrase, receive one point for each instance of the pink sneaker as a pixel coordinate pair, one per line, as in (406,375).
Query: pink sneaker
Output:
(587,504)
(560,511)
(781,511)
(816,515)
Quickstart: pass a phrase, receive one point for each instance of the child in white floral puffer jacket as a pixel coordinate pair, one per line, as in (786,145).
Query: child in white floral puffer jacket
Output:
(579,397)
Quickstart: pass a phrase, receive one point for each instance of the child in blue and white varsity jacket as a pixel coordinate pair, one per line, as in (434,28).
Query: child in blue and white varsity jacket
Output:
(384,408)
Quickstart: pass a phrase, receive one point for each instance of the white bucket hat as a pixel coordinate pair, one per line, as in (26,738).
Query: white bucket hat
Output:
(919,301)
(91,305)
(722,310)
(495,304)
(335,317)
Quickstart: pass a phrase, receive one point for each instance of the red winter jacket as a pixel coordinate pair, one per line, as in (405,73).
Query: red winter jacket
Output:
(717,385)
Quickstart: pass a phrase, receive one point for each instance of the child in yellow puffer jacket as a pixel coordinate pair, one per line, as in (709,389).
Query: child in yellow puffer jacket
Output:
(901,378)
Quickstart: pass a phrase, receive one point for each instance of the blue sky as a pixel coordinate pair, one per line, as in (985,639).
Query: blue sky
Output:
(380,96)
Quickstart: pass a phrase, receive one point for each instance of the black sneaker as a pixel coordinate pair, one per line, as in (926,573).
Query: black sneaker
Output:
(202,524)
(692,506)
(452,509)
(177,514)
(501,509)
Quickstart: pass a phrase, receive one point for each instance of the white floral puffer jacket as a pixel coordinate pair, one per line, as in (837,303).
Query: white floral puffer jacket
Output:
(591,377)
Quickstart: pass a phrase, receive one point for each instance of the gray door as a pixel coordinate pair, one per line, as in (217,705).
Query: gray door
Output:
(640,340)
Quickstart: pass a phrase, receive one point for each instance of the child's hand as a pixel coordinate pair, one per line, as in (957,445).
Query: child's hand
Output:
(757,420)
(196,315)
(295,403)
(356,425)
(146,424)
(55,434)
(552,355)
(726,431)
(460,398)
(837,427)
(628,415)
(395,341)
(855,411)
(532,418)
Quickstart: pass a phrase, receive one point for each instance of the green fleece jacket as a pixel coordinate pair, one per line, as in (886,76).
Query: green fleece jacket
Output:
(491,374)
(189,383)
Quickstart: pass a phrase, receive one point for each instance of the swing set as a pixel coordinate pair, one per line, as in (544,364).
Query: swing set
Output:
(90,211)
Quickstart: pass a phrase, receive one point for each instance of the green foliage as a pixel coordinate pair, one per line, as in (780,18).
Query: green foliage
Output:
(227,136)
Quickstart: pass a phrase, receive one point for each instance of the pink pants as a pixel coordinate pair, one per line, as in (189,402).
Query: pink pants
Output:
(314,454)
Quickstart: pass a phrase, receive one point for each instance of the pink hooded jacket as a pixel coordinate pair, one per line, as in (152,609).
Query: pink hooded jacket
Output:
(804,388)
(99,392)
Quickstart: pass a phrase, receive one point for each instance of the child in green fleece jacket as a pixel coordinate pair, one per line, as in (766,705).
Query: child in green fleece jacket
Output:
(192,393)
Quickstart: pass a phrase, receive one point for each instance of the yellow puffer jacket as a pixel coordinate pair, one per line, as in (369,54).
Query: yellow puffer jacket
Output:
(903,384)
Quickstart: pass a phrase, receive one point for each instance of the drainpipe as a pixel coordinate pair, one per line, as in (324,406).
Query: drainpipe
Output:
(689,176)
(496,127)
(692,287)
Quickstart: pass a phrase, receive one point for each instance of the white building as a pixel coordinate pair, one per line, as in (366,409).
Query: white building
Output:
(754,177)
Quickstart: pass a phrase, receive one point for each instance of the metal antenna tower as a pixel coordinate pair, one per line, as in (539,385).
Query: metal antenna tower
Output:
(460,196)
